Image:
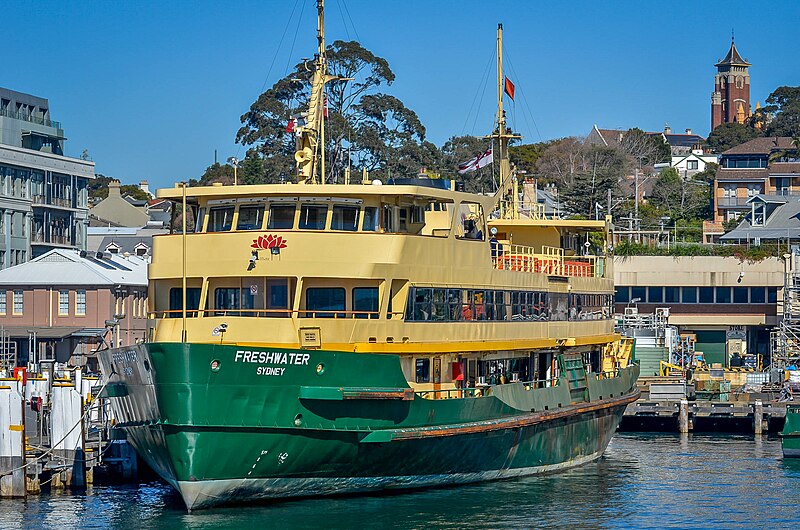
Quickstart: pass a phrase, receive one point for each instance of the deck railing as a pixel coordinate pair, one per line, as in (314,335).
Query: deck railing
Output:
(481,390)
(550,260)
(274,313)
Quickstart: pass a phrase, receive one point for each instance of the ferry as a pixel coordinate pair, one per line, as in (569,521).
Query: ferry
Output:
(319,339)
(790,435)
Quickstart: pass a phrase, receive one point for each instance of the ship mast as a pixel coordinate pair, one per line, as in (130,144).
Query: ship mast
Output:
(502,135)
(311,141)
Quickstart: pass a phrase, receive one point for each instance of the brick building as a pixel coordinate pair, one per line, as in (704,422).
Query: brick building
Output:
(762,166)
(56,305)
(730,101)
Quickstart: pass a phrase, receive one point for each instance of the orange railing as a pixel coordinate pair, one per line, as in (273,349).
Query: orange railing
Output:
(549,261)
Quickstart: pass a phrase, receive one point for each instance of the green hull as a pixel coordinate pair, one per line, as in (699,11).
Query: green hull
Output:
(790,436)
(282,423)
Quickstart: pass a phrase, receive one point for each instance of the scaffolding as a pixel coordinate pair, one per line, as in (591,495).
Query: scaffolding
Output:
(785,339)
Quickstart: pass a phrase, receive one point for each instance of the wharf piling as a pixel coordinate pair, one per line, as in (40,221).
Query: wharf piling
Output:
(56,429)
(685,416)
(12,439)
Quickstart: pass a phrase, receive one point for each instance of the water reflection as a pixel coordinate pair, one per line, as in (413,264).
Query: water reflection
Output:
(644,481)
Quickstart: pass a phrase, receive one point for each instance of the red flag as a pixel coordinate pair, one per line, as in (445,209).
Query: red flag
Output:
(290,126)
(509,88)
(325,106)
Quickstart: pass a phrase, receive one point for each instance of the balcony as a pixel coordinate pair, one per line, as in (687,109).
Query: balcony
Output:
(550,260)
(733,202)
(8,113)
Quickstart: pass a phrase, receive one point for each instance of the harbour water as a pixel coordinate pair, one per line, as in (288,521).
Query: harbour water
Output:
(643,481)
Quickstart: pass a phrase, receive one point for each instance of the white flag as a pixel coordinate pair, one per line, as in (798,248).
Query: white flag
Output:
(478,162)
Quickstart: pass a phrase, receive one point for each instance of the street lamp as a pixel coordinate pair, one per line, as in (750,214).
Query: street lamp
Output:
(235,163)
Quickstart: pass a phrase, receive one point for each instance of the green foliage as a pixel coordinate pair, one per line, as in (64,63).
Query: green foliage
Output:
(133,191)
(681,198)
(216,172)
(732,223)
(525,156)
(590,185)
(781,114)
(98,189)
(646,149)
(741,252)
(460,149)
(365,128)
(730,135)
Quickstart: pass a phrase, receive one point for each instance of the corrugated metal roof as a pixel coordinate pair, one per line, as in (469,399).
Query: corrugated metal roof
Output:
(66,267)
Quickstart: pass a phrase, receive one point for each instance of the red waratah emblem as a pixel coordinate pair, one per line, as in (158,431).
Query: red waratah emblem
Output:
(269,241)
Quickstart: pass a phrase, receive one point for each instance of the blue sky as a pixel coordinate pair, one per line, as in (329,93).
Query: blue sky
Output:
(152,88)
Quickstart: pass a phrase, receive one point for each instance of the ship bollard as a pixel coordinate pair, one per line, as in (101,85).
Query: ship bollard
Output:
(683,416)
(758,417)
(12,438)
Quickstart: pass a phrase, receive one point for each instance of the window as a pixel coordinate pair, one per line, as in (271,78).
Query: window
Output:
(691,164)
(740,295)
(321,301)
(423,371)
(63,302)
(655,295)
(403,219)
(80,302)
(18,303)
(365,302)
(723,295)
(706,295)
(622,295)
(312,217)
(772,295)
(638,292)
(387,218)
(757,295)
(672,295)
(226,299)
(689,295)
(278,296)
(370,219)
(176,302)
(345,218)
(250,218)
(281,217)
(220,219)
(2,302)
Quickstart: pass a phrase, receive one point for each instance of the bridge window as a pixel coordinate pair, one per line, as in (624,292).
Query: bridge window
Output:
(345,218)
(312,217)
(281,217)
(370,219)
(250,218)
(220,219)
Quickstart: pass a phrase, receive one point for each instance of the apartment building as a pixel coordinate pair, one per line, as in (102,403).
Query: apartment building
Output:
(44,197)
